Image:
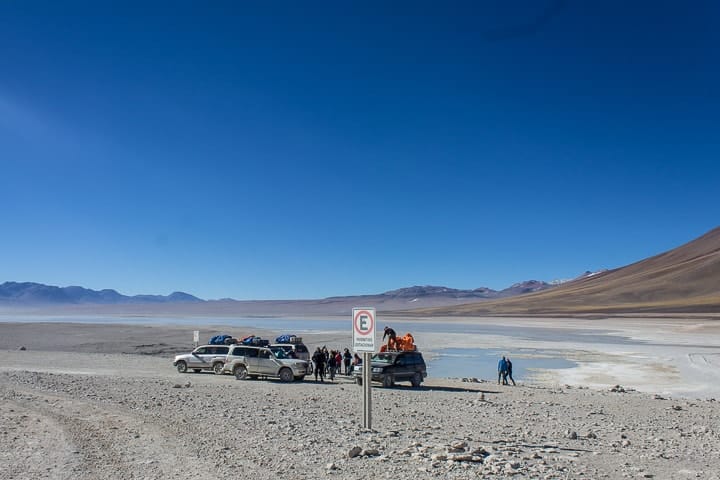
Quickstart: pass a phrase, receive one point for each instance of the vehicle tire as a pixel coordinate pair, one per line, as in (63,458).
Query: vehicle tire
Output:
(218,368)
(416,379)
(197,370)
(286,375)
(240,372)
(388,381)
(300,378)
(358,380)
(181,367)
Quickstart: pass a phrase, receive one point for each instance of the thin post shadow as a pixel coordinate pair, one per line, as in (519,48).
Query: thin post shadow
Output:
(527,445)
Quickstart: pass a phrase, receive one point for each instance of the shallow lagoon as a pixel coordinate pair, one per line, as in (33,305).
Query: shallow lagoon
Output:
(482,362)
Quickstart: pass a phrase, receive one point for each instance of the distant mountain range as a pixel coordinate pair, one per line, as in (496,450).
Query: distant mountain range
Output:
(29,294)
(418,292)
(683,280)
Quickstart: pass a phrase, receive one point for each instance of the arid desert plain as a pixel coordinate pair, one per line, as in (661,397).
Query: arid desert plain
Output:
(102,400)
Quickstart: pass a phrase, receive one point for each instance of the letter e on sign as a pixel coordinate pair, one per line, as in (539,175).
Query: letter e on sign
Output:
(364,329)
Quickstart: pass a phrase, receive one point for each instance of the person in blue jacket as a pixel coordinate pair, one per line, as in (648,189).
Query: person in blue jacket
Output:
(502,371)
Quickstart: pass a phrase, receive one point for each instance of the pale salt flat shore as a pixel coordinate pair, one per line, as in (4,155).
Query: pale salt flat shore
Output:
(668,356)
(89,401)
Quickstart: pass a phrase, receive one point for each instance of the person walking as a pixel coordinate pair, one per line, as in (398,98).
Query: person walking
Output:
(347,359)
(318,359)
(509,371)
(502,371)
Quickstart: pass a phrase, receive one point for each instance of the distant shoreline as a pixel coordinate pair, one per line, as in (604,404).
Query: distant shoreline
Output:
(666,356)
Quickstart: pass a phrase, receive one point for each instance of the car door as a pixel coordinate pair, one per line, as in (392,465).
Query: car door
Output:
(207,356)
(402,368)
(236,353)
(197,359)
(216,354)
(251,360)
(267,363)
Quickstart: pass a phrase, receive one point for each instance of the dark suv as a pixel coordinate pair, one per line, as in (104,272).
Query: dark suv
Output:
(390,367)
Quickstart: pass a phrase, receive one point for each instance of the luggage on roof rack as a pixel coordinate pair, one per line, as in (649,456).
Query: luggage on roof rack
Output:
(219,340)
(255,341)
(287,338)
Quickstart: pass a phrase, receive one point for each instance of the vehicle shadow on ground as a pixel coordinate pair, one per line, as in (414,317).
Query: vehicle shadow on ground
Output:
(343,380)
(436,388)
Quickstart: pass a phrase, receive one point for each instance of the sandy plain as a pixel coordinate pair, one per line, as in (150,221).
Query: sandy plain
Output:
(87,401)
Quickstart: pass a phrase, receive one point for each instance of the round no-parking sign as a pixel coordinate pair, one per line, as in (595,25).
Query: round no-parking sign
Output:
(364,329)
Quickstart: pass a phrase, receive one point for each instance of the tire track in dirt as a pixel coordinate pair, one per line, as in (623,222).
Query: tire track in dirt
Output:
(32,445)
(60,437)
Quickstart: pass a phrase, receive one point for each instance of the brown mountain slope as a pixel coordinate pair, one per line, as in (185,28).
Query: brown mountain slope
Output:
(685,279)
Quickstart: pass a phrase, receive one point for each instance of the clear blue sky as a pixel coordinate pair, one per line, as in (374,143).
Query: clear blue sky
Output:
(306,149)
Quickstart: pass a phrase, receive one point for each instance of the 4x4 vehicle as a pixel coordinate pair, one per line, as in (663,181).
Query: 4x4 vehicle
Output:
(205,357)
(241,351)
(390,367)
(252,362)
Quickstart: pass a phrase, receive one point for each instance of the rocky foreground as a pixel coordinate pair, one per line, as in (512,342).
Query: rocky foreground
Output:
(134,417)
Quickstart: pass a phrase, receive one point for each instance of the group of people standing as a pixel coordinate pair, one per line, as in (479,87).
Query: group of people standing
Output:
(505,371)
(330,362)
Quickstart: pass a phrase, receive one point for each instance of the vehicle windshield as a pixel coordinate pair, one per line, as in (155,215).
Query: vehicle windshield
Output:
(383,358)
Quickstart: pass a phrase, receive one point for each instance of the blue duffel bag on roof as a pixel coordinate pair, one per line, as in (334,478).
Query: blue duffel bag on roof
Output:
(218,339)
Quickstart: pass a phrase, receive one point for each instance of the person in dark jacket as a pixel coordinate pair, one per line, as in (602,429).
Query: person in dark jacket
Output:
(502,371)
(347,359)
(332,365)
(318,359)
(509,370)
(392,337)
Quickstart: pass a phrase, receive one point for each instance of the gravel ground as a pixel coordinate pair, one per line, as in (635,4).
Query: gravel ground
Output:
(134,417)
(102,402)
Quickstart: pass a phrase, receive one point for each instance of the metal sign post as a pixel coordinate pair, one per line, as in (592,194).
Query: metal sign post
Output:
(367,391)
(196,337)
(364,341)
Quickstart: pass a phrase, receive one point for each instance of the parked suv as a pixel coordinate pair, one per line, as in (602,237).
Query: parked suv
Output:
(390,367)
(205,357)
(252,362)
(241,351)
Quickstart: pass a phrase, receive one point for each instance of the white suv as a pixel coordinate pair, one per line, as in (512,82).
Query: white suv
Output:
(246,361)
(205,357)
